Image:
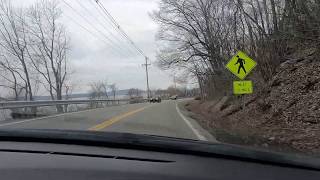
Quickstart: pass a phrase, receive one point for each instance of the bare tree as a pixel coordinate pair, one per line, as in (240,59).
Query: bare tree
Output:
(113,88)
(34,45)
(134,93)
(49,47)
(10,78)
(14,41)
(68,90)
(99,90)
(196,34)
(200,36)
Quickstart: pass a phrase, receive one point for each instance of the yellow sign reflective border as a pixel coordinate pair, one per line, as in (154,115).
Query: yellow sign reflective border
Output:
(242,87)
(241,65)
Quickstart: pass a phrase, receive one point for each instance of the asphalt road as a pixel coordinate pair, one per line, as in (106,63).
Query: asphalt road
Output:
(163,119)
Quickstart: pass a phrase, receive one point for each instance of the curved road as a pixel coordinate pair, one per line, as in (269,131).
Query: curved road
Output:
(163,119)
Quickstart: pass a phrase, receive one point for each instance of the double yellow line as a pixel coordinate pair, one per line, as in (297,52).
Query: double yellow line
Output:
(115,119)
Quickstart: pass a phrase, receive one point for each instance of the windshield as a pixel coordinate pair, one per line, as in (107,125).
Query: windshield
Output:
(242,72)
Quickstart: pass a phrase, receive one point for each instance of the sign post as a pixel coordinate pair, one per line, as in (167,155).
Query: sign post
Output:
(241,65)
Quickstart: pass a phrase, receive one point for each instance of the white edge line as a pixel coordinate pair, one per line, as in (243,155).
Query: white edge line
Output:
(194,130)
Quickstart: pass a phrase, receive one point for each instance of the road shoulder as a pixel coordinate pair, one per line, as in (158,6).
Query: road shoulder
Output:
(188,115)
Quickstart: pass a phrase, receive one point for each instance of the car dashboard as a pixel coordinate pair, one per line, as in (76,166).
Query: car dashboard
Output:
(29,160)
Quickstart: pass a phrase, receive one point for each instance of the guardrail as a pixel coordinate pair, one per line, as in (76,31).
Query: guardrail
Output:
(23,104)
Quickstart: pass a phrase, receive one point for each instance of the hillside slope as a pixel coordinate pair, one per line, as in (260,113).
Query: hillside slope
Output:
(285,112)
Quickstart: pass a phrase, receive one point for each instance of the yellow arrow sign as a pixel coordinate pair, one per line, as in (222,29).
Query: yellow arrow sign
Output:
(242,87)
(241,65)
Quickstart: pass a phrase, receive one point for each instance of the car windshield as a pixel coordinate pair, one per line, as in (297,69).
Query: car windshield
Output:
(242,72)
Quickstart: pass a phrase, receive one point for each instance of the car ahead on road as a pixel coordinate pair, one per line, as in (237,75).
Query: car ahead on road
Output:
(136,100)
(175,97)
(60,154)
(155,100)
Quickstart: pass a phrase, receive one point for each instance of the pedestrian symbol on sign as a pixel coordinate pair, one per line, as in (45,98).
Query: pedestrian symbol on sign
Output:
(241,65)
(241,62)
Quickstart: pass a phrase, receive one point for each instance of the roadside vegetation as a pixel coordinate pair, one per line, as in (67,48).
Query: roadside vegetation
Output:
(34,48)
(198,37)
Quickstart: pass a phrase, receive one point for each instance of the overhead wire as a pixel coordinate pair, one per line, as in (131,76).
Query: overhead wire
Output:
(117,40)
(115,27)
(96,29)
(90,32)
(118,27)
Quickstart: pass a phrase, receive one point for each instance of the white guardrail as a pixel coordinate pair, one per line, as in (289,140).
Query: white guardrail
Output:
(23,104)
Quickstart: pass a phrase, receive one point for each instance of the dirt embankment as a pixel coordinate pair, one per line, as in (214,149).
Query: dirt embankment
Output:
(284,115)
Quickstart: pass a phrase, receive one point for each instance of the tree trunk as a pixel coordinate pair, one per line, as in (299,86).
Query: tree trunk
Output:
(274,16)
(266,12)
(59,97)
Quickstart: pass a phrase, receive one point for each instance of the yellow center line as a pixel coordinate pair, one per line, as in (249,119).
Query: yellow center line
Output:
(115,119)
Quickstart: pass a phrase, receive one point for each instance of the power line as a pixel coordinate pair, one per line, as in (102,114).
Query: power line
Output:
(90,32)
(88,21)
(111,44)
(110,20)
(106,28)
(124,34)
(110,23)
(122,31)
(119,28)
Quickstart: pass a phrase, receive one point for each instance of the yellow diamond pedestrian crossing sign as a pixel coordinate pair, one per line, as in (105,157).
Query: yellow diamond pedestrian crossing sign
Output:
(241,65)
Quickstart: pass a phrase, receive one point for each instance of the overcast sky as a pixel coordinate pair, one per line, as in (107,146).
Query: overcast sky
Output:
(106,55)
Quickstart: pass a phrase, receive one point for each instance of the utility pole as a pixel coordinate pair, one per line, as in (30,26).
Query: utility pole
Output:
(147,74)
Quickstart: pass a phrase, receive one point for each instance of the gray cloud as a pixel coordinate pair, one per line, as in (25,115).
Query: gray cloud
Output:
(93,59)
